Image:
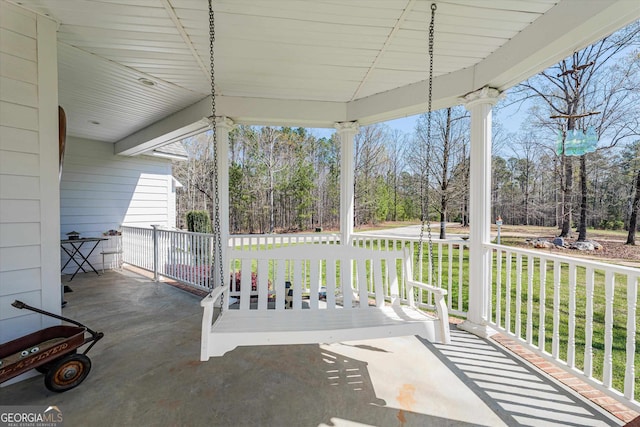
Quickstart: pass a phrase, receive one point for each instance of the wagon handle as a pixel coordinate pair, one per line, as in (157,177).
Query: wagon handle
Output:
(95,336)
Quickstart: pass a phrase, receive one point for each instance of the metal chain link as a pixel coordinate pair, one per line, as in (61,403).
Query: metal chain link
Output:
(425,207)
(217,250)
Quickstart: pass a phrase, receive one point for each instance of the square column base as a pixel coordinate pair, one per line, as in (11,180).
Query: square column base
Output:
(483,331)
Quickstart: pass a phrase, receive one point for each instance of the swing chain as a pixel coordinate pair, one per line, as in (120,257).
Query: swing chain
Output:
(425,206)
(217,250)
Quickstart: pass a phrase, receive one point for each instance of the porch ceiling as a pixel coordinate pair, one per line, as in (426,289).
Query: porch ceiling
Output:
(305,62)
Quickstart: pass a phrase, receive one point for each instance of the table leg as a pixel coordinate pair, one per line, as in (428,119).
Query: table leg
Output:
(85,259)
(72,255)
(76,251)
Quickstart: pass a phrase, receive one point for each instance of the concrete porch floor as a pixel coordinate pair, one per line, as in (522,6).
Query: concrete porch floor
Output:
(146,372)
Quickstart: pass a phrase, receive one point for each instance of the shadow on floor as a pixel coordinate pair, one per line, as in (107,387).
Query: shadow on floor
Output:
(518,393)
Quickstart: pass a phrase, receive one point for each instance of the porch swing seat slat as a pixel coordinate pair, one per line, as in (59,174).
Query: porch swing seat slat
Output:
(373,274)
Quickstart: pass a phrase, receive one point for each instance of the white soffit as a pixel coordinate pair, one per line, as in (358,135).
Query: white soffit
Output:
(299,62)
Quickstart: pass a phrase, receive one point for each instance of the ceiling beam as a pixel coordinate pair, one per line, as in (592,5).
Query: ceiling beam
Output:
(384,47)
(255,111)
(174,127)
(183,33)
(412,99)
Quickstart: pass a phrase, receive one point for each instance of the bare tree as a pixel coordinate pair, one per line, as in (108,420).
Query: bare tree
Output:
(578,88)
(635,208)
(633,154)
(526,150)
(446,150)
(396,146)
(369,156)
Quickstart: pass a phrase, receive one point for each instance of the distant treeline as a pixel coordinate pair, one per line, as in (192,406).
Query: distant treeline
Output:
(284,179)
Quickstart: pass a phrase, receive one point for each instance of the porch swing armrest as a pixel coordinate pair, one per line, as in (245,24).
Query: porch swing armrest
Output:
(438,291)
(207,319)
(440,306)
(215,294)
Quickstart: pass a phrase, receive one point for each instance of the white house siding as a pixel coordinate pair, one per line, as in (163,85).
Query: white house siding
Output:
(29,193)
(101,191)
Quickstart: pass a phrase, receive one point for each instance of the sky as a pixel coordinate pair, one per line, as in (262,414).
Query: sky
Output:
(510,117)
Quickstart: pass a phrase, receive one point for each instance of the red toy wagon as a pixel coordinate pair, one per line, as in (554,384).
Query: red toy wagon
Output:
(52,351)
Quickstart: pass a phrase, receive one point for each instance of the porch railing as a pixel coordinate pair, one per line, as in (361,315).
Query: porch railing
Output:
(254,242)
(178,255)
(138,247)
(577,313)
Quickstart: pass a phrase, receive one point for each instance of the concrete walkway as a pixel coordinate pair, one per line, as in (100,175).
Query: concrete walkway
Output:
(146,373)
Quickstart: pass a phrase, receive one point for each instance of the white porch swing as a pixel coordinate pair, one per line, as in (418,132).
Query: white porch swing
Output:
(363,286)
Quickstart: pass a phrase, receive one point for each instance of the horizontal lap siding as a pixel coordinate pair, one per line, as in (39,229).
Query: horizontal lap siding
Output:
(101,191)
(29,198)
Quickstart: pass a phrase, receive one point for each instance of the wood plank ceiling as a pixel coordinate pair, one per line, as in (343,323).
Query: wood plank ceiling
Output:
(318,50)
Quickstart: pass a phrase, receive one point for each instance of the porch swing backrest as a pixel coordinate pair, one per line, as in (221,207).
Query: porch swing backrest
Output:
(281,292)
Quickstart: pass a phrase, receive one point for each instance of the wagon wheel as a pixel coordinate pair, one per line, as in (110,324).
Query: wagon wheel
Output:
(67,372)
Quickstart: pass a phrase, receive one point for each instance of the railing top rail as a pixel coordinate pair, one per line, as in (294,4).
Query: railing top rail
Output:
(316,252)
(621,269)
(408,238)
(285,235)
(165,230)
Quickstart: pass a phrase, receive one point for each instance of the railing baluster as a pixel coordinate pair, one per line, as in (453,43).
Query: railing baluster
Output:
(155,253)
(543,305)
(607,368)
(530,265)
(498,317)
(420,261)
(555,341)
(518,328)
(629,374)
(490,286)
(588,327)
(571,339)
(450,276)
(460,276)
(507,302)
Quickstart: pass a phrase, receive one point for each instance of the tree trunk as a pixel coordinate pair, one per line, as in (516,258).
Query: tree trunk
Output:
(582,226)
(567,190)
(566,197)
(635,208)
(465,190)
(443,218)
(444,183)
(395,194)
(527,195)
(272,207)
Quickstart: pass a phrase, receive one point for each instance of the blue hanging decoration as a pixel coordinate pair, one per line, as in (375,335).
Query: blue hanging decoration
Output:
(591,140)
(559,143)
(577,142)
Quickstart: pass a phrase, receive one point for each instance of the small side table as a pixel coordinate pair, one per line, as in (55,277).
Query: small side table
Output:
(72,248)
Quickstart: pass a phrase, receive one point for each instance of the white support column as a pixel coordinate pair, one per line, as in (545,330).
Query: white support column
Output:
(479,104)
(347,132)
(224,125)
